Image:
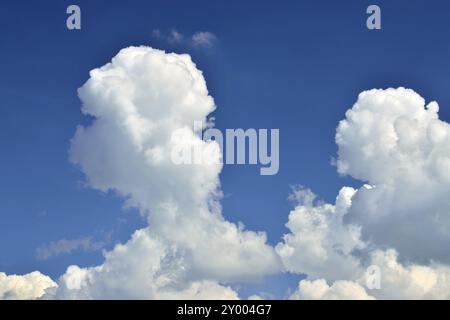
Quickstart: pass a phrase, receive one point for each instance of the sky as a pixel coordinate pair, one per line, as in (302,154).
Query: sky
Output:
(297,66)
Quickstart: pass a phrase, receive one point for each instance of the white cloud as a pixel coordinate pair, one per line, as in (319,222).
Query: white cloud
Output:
(316,247)
(143,268)
(409,281)
(137,101)
(200,39)
(339,290)
(173,36)
(203,38)
(397,144)
(398,281)
(24,287)
(398,222)
(68,245)
(319,244)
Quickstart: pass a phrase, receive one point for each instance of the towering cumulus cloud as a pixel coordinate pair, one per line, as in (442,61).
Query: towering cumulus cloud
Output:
(399,221)
(395,143)
(138,101)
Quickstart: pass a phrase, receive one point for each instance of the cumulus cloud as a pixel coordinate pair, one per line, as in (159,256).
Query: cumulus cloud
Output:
(409,280)
(397,144)
(315,247)
(397,221)
(137,102)
(143,268)
(339,290)
(319,244)
(398,281)
(68,245)
(24,287)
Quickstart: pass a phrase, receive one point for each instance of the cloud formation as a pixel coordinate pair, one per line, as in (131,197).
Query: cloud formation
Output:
(203,38)
(200,39)
(394,142)
(24,287)
(172,37)
(337,268)
(68,245)
(339,290)
(137,101)
(398,220)
(319,243)
(143,268)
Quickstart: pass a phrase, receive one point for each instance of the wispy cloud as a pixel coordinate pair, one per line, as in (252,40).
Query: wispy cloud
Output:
(203,38)
(172,37)
(199,39)
(67,246)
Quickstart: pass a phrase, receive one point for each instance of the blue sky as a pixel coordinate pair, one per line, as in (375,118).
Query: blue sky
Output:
(297,66)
